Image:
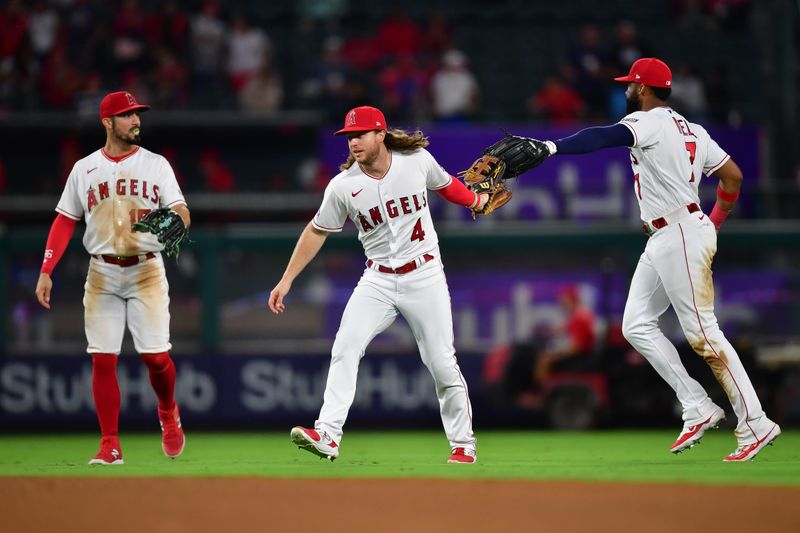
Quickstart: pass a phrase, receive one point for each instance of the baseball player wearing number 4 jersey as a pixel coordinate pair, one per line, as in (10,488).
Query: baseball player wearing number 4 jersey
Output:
(668,156)
(383,189)
(126,283)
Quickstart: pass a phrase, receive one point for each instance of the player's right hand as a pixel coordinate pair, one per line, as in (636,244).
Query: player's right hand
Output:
(276,297)
(43,288)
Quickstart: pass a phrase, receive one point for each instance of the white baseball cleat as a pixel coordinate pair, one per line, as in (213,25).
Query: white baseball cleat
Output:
(746,452)
(316,442)
(693,432)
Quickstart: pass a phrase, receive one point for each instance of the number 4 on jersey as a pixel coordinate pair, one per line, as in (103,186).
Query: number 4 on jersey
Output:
(417,234)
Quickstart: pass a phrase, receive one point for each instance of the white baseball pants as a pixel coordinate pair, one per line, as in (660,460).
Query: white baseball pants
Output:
(675,268)
(422,297)
(137,296)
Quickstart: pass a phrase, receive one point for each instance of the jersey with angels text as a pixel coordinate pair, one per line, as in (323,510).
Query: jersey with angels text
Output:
(668,157)
(111,194)
(391,213)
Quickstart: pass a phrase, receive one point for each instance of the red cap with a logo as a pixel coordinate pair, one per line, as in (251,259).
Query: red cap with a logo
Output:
(118,103)
(364,118)
(649,71)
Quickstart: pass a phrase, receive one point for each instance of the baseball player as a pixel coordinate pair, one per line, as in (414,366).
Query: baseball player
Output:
(669,154)
(126,283)
(382,188)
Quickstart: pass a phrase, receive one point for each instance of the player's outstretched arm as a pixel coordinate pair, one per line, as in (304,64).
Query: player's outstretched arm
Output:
(592,139)
(308,245)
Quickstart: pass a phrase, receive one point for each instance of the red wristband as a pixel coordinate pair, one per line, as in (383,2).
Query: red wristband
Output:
(718,215)
(727,196)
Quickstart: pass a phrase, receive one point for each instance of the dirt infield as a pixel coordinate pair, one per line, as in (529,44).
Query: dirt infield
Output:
(370,505)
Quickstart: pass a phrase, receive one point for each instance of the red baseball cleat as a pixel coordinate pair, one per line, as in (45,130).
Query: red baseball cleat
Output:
(746,452)
(463,456)
(691,434)
(317,442)
(110,452)
(172,438)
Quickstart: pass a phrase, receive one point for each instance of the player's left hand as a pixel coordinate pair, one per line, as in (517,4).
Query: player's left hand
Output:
(167,226)
(43,288)
(483,198)
(275,303)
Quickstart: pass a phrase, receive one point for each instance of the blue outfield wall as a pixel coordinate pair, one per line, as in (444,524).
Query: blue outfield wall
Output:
(49,393)
(224,391)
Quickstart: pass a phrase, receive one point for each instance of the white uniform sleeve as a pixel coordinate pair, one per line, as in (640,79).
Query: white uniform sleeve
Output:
(645,128)
(70,203)
(171,193)
(332,212)
(436,177)
(715,157)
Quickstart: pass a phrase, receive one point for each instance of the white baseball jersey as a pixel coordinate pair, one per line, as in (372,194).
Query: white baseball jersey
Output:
(391,213)
(395,227)
(111,194)
(668,157)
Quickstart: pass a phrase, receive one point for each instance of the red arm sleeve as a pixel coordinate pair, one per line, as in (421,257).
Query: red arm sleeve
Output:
(60,233)
(458,193)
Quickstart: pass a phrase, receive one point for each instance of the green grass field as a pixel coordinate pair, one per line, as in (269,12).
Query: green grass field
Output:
(635,456)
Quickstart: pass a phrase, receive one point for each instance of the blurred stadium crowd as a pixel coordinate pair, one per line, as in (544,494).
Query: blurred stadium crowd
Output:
(245,96)
(415,61)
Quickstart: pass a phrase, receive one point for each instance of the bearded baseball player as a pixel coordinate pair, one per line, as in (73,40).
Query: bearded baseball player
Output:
(383,188)
(669,155)
(112,189)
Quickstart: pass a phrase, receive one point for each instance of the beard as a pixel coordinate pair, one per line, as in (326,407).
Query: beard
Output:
(633,104)
(127,138)
(369,157)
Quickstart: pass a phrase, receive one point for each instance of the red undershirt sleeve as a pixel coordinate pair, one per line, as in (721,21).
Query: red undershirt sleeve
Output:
(458,193)
(60,233)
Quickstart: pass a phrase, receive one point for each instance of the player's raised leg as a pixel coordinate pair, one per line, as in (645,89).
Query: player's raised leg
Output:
(690,288)
(427,308)
(162,377)
(647,301)
(148,319)
(370,310)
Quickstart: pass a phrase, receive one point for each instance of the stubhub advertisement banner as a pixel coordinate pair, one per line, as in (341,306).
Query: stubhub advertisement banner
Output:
(48,393)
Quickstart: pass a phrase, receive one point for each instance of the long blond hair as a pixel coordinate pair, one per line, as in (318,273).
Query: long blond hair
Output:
(396,139)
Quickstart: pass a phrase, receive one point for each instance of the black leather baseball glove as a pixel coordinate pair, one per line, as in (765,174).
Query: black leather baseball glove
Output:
(520,154)
(507,158)
(167,226)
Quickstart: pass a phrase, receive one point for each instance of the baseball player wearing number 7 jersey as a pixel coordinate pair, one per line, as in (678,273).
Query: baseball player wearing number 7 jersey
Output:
(383,188)
(126,283)
(668,156)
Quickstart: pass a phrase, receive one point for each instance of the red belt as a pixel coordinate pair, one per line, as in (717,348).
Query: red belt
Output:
(125,261)
(661,222)
(404,269)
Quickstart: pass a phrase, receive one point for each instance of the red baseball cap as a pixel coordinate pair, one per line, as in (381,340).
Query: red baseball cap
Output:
(364,118)
(649,71)
(118,103)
